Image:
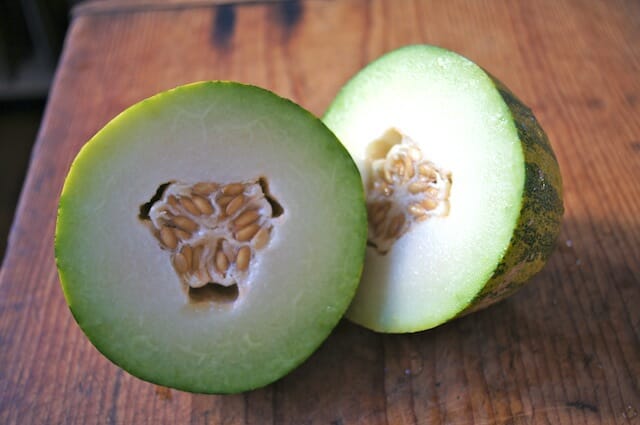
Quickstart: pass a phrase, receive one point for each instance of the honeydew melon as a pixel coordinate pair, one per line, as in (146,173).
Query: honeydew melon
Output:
(463,188)
(210,237)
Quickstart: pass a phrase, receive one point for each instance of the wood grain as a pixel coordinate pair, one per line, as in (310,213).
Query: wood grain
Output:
(564,350)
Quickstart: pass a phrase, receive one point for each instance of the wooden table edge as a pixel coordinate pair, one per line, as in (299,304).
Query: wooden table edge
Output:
(103,7)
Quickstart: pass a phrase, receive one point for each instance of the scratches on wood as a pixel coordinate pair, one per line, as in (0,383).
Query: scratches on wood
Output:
(115,395)
(223,25)
(582,406)
(288,14)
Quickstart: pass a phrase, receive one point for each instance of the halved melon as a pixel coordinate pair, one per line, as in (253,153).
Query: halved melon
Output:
(463,189)
(210,237)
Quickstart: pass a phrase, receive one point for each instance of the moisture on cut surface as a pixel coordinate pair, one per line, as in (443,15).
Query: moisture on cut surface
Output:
(212,231)
(403,188)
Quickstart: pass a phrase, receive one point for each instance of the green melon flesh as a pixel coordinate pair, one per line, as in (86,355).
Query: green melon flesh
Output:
(505,198)
(121,287)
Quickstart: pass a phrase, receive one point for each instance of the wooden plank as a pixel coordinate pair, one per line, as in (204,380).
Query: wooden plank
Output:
(565,350)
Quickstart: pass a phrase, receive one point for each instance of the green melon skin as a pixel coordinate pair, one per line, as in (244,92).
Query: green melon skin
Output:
(539,224)
(468,122)
(120,285)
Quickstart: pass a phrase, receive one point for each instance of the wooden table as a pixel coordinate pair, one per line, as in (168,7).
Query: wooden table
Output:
(565,350)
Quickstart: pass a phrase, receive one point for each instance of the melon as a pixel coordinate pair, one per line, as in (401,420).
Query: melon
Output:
(210,237)
(464,192)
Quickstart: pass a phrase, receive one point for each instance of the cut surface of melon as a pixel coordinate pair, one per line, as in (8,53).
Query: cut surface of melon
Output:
(116,268)
(451,110)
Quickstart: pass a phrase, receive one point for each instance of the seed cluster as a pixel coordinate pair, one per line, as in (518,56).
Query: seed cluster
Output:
(212,231)
(403,188)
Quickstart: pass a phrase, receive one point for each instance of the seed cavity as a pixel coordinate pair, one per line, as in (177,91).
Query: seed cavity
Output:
(403,188)
(146,207)
(215,292)
(276,208)
(213,233)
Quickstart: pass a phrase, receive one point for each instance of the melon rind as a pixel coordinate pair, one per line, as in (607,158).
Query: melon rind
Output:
(119,283)
(540,221)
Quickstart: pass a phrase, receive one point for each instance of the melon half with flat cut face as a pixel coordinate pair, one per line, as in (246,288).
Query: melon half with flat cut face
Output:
(210,237)
(464,193)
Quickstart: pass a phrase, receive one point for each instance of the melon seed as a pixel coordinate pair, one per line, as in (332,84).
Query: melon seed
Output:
(180,263)
(185,223)
(234,205)
(204,188)
(203,205)
(246,217)
(188,205)
(168,238)
(233,189)
(247,232)
(261,238)
(244,254)
(222,263)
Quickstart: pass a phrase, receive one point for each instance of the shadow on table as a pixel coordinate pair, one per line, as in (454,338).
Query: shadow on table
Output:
(566,344)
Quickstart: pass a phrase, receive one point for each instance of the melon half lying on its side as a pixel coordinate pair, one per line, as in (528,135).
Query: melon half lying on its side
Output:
(464,193)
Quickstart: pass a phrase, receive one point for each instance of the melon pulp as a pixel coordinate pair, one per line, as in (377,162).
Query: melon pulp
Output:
(158,240)
(463,189)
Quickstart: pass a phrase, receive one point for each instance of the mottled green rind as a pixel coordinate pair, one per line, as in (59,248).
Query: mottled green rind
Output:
(541,212)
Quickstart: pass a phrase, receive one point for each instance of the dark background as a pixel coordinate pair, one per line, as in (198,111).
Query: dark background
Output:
(31,38)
